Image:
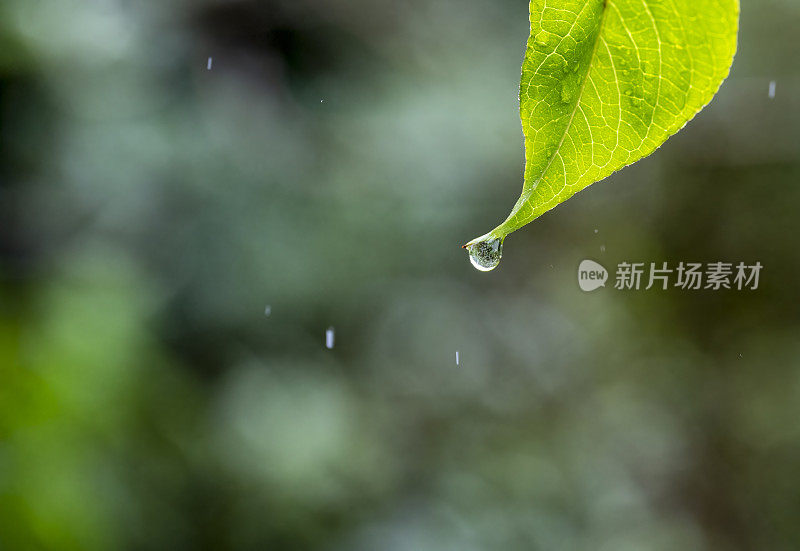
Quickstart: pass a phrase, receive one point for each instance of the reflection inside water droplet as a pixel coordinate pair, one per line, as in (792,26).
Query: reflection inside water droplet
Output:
(485,255)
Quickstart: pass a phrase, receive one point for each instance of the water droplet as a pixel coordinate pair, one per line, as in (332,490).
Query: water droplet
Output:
(457,358)
(575,67)
(267,310)
(628,92)
(596,230)
(772,86)
(329,338)
(485,255)
(541,38)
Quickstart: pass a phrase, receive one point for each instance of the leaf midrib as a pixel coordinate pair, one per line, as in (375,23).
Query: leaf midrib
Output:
(525,196)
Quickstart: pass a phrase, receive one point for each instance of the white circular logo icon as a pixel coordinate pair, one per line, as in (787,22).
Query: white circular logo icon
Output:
(591,276)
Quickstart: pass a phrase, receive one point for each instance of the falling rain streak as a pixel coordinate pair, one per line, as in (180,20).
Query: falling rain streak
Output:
(329,338)
(772,87)
(208,66)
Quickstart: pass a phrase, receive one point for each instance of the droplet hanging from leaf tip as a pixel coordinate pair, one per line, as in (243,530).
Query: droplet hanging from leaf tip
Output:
(485,255)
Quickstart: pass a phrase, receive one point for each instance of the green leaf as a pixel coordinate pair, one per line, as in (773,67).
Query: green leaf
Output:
(605,83)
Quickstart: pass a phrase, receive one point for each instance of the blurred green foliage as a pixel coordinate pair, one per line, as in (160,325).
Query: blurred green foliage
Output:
(329,166)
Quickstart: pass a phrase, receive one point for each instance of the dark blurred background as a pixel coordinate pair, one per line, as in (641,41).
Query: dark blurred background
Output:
(175,242)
